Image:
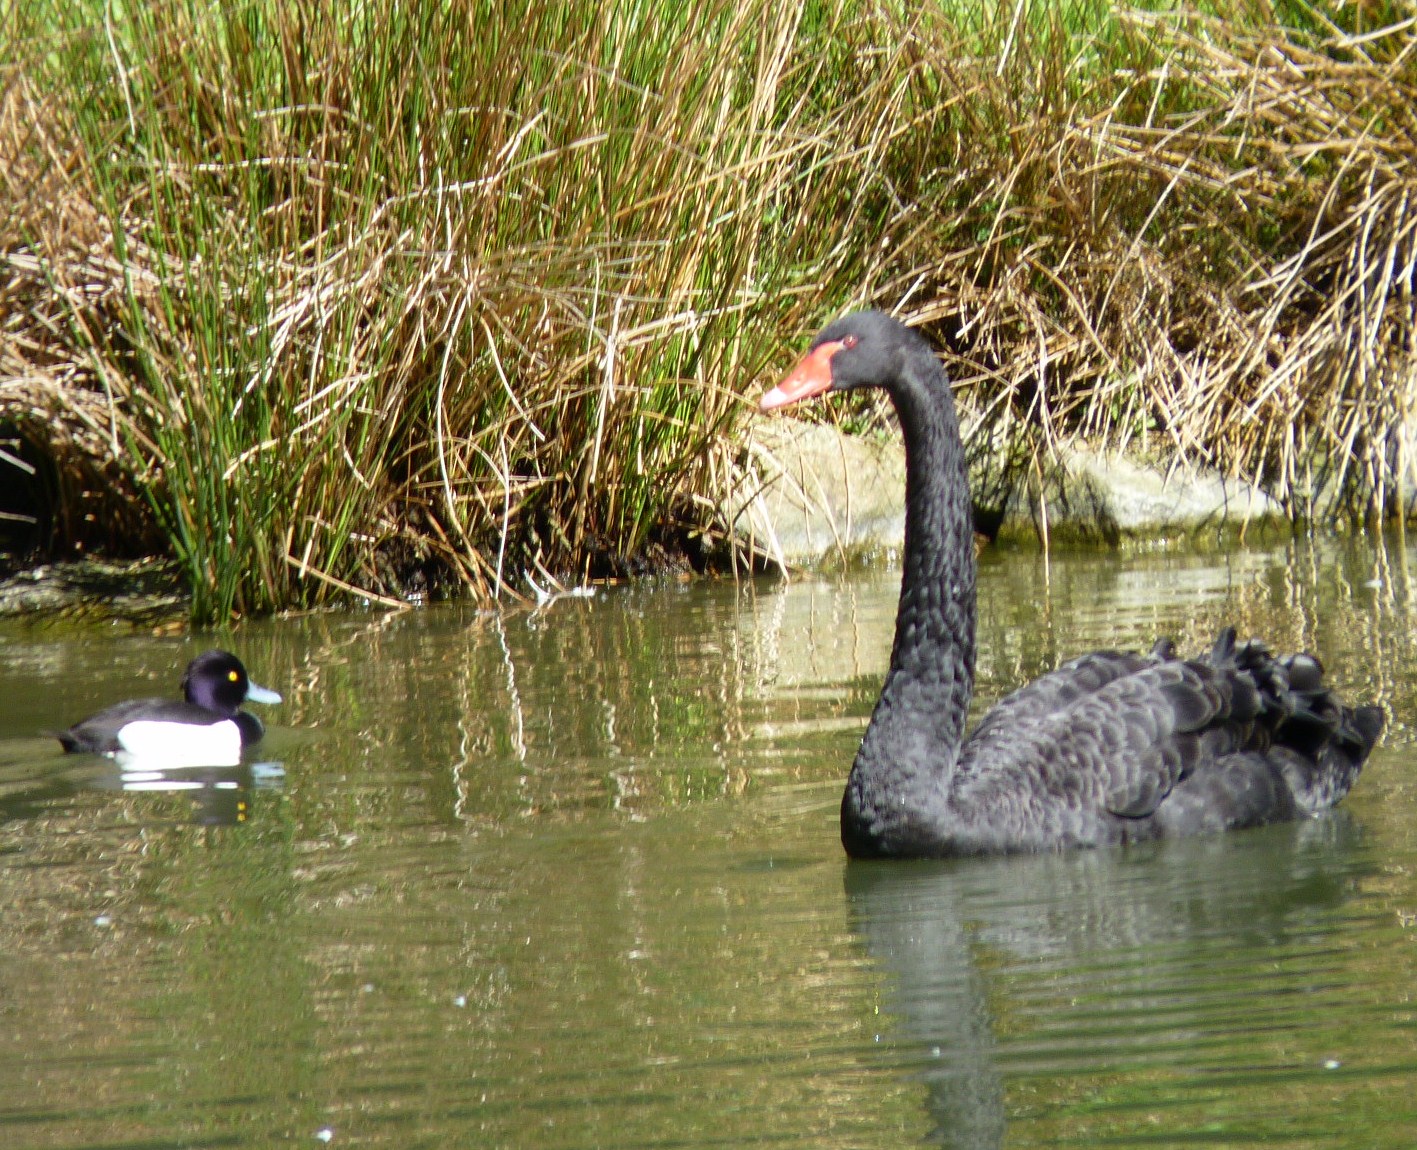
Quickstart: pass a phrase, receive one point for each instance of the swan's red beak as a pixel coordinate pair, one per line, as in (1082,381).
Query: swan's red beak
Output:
(811,376)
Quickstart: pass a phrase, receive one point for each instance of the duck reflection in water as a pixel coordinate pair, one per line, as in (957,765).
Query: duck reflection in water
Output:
(220,795)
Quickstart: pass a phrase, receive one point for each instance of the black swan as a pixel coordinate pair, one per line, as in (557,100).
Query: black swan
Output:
(1112,747)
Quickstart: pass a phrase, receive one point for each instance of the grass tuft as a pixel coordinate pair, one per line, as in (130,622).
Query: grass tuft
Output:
(358,298)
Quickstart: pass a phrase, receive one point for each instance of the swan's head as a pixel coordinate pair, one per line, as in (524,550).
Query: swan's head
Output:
(863,349)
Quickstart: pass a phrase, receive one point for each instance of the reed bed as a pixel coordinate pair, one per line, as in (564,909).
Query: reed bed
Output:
(361,299)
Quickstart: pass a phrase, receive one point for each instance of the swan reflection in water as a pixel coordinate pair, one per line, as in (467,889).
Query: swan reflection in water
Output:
(1108,963)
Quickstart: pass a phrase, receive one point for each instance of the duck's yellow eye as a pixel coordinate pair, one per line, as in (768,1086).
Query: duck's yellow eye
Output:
(234,676)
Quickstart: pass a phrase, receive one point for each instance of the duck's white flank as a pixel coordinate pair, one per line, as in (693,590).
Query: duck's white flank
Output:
(155,745)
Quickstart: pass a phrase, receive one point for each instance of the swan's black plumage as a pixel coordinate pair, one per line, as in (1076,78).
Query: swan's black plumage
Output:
(1112,747)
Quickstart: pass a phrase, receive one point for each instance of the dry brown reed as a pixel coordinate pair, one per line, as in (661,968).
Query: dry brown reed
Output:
(1206,249)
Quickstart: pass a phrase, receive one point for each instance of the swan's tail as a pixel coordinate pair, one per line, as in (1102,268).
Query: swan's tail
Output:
(1303,728)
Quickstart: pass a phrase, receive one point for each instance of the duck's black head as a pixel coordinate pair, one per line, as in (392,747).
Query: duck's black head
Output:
(217,682)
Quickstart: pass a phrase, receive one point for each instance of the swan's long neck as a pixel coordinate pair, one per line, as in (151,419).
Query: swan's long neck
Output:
(932,660)
(908,754)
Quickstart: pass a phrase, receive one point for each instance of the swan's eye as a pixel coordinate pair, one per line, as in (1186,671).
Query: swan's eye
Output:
(849,341)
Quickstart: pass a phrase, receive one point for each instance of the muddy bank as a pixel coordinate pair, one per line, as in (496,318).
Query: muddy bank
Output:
(140,593)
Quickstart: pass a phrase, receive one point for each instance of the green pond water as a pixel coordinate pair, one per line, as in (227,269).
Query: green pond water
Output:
(570,877)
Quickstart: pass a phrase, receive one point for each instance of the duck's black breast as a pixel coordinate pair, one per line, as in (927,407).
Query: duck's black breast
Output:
(98,734)
(251,728)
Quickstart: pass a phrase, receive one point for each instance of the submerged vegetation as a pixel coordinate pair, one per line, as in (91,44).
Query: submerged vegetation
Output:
(333,298)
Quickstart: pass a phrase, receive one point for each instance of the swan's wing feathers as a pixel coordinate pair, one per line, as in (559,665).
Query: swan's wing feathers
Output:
(1193,704)
(1162,719)
(1236,789)
(1124,732)
(1321,772)
(1136,791)
(1305,673)
(1364,726)
(1057,691)
(1299,730)
(1120,727)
